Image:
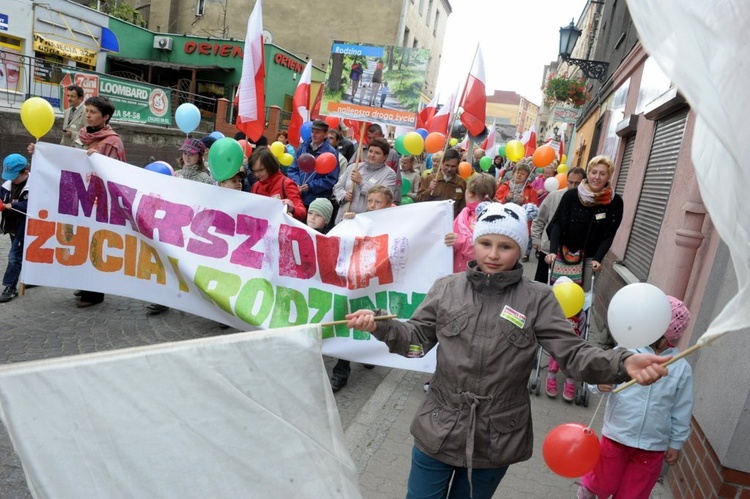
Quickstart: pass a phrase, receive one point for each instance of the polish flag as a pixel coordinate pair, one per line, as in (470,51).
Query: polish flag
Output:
(300,105)
(489,142)
(528,139)
(474,101)
(561,150)
(424,117)
(315,115)
(464,144)
(443,119)
(251,118)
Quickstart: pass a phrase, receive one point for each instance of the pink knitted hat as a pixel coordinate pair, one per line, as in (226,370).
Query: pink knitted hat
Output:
(680,320)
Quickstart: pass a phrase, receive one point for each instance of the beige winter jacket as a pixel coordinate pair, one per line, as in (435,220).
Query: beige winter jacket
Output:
(477,412)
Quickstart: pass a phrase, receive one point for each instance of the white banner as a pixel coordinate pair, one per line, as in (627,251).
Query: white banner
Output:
(194,419)
(101,225)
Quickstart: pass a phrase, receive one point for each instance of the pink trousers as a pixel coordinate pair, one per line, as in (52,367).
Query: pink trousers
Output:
(624,472)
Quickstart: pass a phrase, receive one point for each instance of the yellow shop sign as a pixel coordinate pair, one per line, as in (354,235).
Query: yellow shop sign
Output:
(64,50)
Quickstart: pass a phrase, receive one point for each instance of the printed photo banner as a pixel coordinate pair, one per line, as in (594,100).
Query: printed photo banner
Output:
(375,83)
(101,225)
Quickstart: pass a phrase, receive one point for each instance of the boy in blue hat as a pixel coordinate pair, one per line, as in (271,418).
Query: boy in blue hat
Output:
(14,198)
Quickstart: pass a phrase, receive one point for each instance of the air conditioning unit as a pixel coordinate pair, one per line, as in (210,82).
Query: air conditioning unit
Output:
(163,42)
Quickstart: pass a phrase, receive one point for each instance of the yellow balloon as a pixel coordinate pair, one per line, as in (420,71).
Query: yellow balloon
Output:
(277,149)
(413,143)
(285,159)
(426,173)
(37,116)
(570,296)
(562,168)
(564,159)
(453,142)
(514,150)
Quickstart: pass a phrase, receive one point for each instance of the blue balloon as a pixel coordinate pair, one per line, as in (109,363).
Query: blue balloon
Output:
(216,135)
(424,133)
(305,130)
(160,167)
(187,117)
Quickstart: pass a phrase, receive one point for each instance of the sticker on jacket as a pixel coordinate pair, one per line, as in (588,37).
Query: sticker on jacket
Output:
(415,351)
(513,316)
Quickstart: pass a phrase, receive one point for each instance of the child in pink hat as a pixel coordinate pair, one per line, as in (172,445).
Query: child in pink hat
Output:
(644,425)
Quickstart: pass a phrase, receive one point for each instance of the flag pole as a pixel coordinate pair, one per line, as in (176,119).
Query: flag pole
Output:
(358,159)
(667,363)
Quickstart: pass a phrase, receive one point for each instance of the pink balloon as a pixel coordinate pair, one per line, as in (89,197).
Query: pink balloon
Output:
(306,163)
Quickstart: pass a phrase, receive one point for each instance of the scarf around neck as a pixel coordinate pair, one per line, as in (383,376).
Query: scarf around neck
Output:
(587,197)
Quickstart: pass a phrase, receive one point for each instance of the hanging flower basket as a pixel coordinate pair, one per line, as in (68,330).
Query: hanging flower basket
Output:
(560,88)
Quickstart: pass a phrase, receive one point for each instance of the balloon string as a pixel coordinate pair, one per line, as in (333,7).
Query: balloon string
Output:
(598,406)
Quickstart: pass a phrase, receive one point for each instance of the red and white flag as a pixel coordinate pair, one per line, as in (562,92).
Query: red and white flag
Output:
(528,139)
(443,119)
(315,114)
(424,117)
(300,106)
(251,118)
(489,142)
(474,101)
(561,150)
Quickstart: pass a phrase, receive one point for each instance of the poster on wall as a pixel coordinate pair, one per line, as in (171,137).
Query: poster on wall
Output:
(379,83)
(134,101)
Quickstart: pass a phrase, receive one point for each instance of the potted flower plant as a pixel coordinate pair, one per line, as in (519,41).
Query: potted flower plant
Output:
(562,88)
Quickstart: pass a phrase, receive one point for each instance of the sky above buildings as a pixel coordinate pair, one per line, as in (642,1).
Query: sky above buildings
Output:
(518,38)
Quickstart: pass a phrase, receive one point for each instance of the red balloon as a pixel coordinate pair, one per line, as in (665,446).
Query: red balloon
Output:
(306,163)
(543,156)
(326,163)
(571,450)
(247,149)
(332,121)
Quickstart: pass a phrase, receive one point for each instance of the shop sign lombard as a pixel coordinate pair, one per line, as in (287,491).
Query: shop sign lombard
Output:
(134,101)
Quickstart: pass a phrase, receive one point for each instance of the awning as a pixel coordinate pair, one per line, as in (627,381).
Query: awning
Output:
(170,65)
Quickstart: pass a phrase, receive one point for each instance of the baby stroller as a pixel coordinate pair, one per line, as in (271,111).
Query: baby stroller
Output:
(581,324)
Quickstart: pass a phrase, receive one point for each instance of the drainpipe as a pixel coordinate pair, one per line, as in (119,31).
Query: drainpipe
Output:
(401,23)
(688,239)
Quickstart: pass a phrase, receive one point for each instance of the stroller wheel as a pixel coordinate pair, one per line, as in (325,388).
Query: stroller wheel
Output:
(533,385)
(582,396)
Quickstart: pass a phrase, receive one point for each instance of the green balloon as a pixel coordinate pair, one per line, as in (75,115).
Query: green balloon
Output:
(485,163)
(225,158)
(501,151)
(406,200)
(405,185)
(399,144)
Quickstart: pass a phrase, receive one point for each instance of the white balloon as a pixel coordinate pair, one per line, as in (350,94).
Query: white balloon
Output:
(638,315)
(551,184)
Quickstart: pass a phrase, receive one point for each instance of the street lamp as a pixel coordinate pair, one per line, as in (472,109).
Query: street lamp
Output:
(591,69)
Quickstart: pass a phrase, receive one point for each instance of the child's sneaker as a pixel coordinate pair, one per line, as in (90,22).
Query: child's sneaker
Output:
(8,294)
(551,387)
(569,390)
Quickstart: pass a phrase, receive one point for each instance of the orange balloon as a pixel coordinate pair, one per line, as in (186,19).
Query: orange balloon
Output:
(571,450)
(563,179)
(434,142)
(465,170)
(543,156)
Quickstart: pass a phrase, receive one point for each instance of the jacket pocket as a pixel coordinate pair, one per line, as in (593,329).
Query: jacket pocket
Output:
(433,423)
(510,435)
(453,323)
(521,338)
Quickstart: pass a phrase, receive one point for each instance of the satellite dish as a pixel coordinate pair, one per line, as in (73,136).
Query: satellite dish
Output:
(267,36)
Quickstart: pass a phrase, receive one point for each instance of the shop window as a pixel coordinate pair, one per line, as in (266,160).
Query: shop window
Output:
(10,63)
(47,68)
